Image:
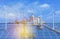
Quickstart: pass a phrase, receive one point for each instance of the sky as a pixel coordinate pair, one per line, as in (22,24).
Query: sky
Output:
(11,10)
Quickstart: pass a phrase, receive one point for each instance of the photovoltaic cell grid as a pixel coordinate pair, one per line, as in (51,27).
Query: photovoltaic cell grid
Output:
(40,34)
(6,32)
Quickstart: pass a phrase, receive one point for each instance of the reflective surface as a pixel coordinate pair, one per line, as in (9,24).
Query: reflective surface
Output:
(13,32)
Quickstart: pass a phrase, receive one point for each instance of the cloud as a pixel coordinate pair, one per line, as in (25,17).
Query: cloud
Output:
(7,9)
(10,15)
(57,12)
(19,9)
(45,6)
(30,11)
(49,18)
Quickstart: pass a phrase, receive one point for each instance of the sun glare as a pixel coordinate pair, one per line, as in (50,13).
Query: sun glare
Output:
(24,31)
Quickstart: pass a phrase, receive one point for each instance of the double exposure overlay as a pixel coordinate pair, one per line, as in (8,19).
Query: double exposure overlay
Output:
(29,19)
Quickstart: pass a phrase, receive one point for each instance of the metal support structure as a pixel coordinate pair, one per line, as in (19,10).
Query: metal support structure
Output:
(55,30)
(53,18)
